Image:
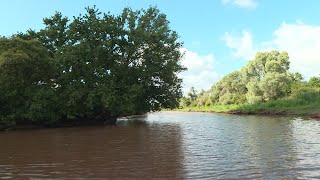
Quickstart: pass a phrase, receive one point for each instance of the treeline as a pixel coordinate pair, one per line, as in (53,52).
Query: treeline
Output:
(265,78)
(93,68)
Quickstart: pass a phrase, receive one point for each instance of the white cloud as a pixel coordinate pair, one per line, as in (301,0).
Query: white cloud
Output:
(301,41)
(249,4)
(242,46)
(201,73)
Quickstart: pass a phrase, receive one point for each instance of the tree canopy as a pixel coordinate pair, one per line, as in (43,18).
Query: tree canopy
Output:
(95,66)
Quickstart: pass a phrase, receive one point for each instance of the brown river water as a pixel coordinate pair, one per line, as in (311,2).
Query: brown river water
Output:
(167,145)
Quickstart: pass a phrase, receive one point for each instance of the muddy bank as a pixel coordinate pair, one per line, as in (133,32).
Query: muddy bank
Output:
(133,116)
(315,116)
(264,112)
(275,112)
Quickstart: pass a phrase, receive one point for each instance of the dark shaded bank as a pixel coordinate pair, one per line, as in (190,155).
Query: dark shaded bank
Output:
(109,121)
(315,116)
(4,125)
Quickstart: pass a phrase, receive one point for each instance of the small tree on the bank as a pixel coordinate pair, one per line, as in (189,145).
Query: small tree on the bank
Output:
(314,82)
(230,89)
(267,76)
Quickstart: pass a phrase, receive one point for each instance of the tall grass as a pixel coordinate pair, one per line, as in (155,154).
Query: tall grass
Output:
(222,108)
(302,101)
(299,103)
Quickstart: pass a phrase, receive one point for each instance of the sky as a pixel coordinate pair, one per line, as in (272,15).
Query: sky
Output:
(220,36)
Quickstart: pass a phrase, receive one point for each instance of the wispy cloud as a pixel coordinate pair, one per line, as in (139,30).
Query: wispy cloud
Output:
(248,4)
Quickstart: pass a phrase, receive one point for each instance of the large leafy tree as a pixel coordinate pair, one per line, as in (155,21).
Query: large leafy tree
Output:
(267,76)
(112,65)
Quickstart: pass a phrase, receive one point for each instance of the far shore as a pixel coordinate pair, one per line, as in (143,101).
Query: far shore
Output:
(313,115)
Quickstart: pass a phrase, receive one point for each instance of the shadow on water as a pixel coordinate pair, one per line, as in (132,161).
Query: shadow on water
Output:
(132,149)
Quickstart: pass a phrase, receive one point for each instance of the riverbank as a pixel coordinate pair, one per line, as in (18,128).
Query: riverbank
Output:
(307,105)
(79,123)
(226,110)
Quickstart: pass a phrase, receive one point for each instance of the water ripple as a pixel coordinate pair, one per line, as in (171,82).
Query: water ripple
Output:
(168,145)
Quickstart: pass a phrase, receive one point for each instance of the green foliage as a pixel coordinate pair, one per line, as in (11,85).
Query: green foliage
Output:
(96,66)
(302,102)
(314,82)
(264,80)
(274,86)
(267,76)
(219,109)
(203,99)
(254,93)
(189,98)
(185,102)
(229,90)
(296,77)
(7,123)
(25,69)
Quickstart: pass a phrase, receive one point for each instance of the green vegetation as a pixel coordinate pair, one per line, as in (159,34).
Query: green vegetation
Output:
(98,67)
(91,69)
(221,108)
(302,103)
(264,85)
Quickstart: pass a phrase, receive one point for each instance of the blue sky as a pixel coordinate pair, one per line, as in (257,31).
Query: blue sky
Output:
(219,35)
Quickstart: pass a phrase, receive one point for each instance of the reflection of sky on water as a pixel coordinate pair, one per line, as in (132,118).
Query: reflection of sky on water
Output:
(228,146)
(169,145)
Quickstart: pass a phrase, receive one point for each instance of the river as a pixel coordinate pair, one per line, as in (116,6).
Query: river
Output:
(167,145)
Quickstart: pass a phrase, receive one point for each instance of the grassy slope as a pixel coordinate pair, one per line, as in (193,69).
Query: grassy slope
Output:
(306,103)
(302,104)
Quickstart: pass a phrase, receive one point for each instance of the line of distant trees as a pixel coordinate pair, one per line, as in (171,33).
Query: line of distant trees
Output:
(266,77)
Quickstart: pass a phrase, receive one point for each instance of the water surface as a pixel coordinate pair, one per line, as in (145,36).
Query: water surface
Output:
(167,145)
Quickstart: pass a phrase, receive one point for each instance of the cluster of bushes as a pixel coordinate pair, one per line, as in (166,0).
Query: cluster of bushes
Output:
(266,78)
